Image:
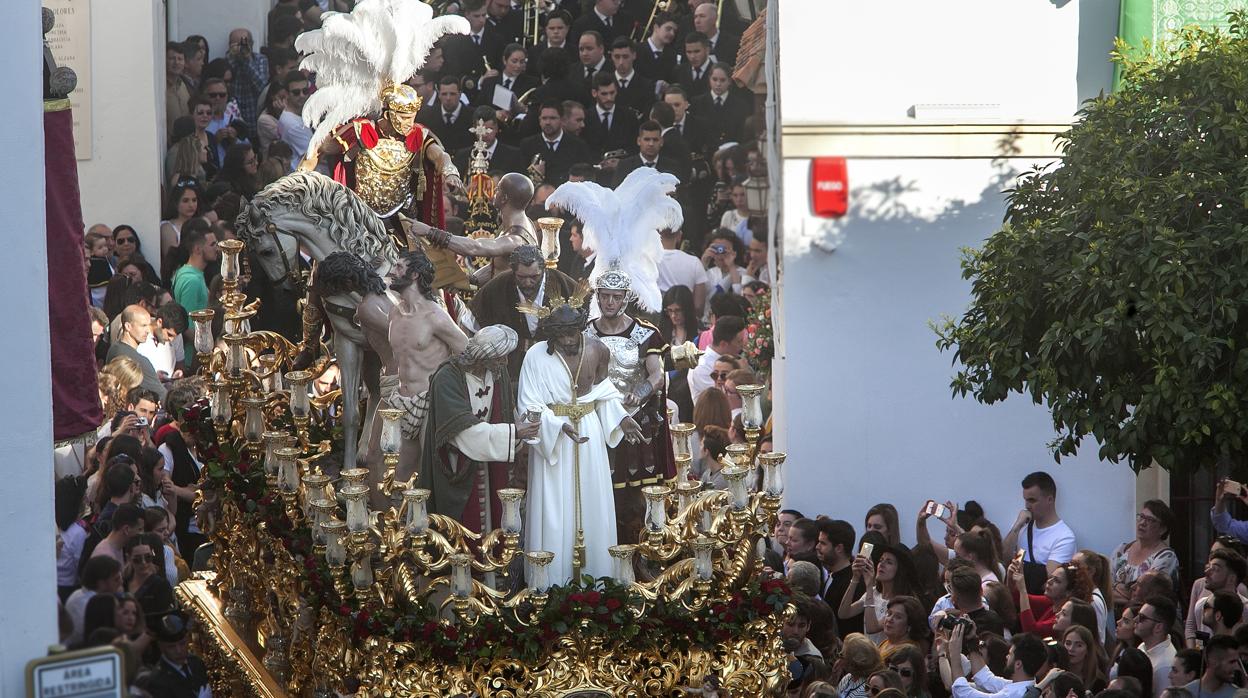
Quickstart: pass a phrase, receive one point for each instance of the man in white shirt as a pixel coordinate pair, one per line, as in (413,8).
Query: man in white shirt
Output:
(1039,532)
(290,124)
(1026,658)
(728,337)
(677,268)
(1152,625)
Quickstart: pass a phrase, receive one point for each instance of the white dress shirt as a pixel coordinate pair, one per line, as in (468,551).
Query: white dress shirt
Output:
(988,685)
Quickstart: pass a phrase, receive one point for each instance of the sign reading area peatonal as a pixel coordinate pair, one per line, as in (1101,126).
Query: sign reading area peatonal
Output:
(93,673)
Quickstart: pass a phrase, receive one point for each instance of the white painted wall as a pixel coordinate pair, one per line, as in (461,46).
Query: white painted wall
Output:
(862,394)
(121,183)
(215,20)
(868,412)
(28,606)
(1036,58)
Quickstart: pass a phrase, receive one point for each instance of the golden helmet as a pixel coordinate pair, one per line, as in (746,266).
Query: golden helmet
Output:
(400,98)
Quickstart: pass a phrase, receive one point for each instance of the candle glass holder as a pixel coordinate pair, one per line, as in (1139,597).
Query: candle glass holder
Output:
(682,435)
(511,498)
(622,563)
(204,341)
(537,569)
(773,472)
(416,512)
(550,227)
(357,508)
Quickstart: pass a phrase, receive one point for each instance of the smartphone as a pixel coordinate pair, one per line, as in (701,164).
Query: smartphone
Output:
(940,511)
(867,549)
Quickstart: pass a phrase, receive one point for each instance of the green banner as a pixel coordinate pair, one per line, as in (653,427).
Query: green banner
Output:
(1150,20)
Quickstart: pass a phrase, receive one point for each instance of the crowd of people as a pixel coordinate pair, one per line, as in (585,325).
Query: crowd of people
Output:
(1024,611)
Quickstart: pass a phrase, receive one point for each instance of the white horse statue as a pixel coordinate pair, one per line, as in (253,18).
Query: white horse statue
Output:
(311,211)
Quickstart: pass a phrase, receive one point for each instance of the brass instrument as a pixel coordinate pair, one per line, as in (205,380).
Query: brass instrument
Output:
(659,6)
(533,172)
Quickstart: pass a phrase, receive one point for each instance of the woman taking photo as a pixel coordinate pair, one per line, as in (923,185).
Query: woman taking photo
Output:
(891,577)
(1038,613)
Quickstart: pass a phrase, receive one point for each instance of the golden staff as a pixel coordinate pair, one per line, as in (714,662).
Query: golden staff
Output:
(659,6)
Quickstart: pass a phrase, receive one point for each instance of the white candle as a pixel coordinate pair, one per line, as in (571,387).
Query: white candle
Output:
(417,516)
(461,574)
(511,497)
(357,507)
(335,551)
(703,548)
(391,432)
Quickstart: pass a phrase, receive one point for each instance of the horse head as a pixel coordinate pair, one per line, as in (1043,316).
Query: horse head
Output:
(310,211)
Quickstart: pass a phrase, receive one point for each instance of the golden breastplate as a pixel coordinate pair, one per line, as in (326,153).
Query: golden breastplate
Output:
(383,175)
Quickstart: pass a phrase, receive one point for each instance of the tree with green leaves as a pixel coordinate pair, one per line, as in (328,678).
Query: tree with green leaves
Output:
(1116,290)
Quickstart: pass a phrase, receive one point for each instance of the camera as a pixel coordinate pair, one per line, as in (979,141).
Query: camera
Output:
(719,248)
(950,622)
(140,421)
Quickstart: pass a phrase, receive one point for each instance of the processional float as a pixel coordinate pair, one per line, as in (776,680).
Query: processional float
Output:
(318,591)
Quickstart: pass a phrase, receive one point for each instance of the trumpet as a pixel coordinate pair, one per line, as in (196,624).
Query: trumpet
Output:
(533,172)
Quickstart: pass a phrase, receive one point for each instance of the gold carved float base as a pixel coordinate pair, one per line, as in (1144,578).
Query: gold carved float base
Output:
(750,665)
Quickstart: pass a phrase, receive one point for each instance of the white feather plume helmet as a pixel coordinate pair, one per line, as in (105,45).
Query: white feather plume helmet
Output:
(356,54)
(622,226)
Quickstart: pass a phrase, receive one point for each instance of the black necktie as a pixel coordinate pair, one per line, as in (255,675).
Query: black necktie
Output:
(550,145)
(606,121)
(589,72)
(450,118)
(476,39)
(623,84)
(719,101)
(680,128)
(507,83)
(648,164)
(607,22)
(697,74)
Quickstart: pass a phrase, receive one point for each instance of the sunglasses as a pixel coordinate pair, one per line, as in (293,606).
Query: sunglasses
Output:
(719,375)
(187,182)
(904,671)
(123,241)
(215,94)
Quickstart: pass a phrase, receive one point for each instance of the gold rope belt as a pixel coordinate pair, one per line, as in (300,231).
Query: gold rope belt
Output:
(573,410)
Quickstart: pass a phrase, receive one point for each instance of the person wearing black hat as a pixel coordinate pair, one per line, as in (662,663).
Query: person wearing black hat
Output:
(179,674)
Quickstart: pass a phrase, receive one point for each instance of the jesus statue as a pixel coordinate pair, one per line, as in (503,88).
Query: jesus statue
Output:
(564,385)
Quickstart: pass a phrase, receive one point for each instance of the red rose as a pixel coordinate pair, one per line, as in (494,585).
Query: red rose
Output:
(613,604)
(592,598)
(576,598)
(344,610)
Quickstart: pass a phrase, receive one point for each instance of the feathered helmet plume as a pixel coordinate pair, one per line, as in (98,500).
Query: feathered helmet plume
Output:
(622,226)
(356,55)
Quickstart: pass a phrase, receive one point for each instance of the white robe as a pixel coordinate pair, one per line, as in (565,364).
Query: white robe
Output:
(551,514)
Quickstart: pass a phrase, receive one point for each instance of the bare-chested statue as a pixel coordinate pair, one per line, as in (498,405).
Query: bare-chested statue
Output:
(421,336)
(514,194)
(343,273)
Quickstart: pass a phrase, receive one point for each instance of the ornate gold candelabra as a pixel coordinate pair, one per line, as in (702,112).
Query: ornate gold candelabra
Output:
(310,567)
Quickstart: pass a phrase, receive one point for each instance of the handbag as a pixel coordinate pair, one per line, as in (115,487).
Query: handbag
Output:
(1034,573)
